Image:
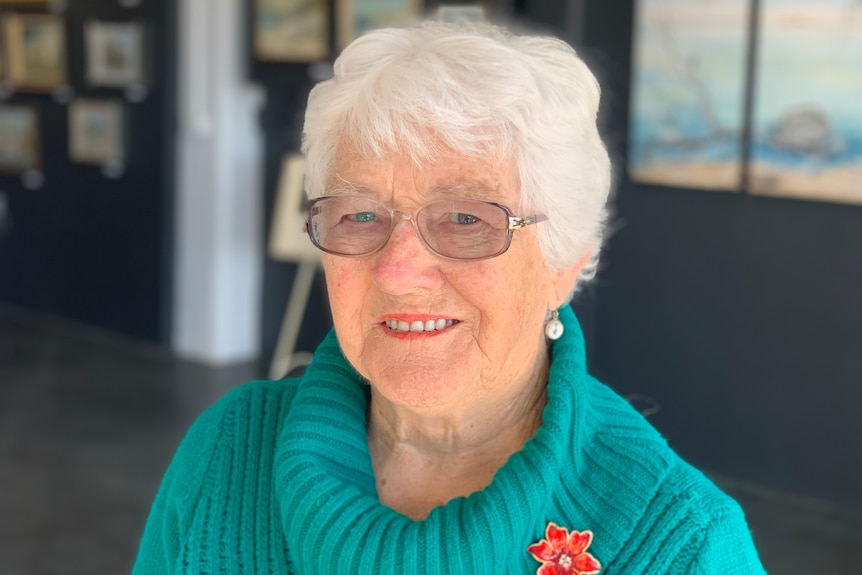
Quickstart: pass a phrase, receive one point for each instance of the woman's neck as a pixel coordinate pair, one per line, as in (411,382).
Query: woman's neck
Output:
(423,457)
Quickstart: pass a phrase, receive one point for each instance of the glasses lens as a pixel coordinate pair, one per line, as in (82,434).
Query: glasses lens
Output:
(464,229)
(347,225)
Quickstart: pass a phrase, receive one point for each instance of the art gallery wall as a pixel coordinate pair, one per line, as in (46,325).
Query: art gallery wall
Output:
(91,246)
(740,315)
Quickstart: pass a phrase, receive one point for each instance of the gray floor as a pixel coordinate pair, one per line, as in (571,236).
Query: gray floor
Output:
(88,422)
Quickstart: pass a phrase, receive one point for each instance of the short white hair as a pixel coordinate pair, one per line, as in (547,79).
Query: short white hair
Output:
(481,90)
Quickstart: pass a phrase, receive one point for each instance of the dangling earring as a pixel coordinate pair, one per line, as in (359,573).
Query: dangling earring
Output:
(554,328)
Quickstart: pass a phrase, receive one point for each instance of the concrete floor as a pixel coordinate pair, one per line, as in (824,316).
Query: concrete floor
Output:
(89,421)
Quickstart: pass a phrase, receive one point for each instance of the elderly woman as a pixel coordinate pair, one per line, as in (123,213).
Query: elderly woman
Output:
(448,424)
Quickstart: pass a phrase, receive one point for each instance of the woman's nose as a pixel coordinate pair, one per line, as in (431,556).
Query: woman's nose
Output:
(405,264)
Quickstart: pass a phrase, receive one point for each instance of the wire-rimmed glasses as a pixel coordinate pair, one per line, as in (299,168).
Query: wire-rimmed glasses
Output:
(457,229)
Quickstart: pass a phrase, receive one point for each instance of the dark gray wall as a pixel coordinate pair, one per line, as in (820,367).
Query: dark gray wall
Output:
(741,315)
(86,247)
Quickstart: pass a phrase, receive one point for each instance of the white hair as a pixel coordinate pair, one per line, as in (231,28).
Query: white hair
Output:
(480,90)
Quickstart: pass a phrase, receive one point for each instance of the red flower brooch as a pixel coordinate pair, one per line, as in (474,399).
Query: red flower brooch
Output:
(562,553)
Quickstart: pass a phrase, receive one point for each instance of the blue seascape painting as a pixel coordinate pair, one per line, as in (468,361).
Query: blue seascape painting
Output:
(807,136)
(688,93)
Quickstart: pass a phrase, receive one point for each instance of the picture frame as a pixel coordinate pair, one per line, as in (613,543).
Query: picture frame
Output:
(116,56)
(287,239)
(687,95)
(21,144)
(355,17)
(35,51)
(456,12)
(4,51)
(97,132)
(291,30)
(806,143)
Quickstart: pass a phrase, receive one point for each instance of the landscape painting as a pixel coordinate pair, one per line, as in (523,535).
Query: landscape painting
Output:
(355,17)
(807,134)
(688,93)
(291,30)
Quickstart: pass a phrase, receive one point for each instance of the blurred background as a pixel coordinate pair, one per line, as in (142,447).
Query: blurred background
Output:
(145,174)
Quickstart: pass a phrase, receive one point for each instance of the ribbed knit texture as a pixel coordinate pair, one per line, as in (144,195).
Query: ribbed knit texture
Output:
(277,478)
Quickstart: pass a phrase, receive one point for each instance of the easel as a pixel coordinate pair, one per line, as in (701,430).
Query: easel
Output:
(289,243)
(285,357)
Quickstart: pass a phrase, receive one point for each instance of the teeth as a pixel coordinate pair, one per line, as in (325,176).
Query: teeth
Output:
(417,326)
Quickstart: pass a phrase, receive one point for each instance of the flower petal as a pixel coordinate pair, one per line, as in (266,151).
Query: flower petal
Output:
(586,564)
(547,569)
(579,541)
(556,536)
(542,550)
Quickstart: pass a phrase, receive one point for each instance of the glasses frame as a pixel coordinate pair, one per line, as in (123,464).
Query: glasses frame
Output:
(515,223)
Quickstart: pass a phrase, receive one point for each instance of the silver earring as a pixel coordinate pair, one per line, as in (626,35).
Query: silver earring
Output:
(554,328)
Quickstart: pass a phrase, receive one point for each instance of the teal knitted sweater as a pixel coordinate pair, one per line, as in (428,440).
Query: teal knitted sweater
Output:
(277,478)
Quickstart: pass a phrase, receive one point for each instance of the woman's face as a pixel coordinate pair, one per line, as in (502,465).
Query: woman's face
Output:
(497,306)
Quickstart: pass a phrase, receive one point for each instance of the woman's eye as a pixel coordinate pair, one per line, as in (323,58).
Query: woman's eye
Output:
(362,217)
(463,218)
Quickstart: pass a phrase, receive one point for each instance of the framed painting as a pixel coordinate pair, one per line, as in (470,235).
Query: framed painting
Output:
(287,239)
(35,51)
(97,132)
(456,12)
(115,53)
(807,132)
(291,30)
(355,17)
(688,93)
(20,146)
(4,51)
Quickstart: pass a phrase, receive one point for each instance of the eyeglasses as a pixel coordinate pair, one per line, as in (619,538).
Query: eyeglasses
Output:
(455,229)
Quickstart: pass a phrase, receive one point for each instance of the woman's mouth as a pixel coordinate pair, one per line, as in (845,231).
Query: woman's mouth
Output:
(430,325)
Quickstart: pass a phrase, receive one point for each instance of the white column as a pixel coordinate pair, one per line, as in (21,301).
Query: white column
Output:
(218,268)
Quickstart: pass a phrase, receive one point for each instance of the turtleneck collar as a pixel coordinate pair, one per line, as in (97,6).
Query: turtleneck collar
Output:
(325,486)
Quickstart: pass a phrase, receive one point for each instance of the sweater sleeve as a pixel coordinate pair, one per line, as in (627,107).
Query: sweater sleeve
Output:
(727,548)
(160,548)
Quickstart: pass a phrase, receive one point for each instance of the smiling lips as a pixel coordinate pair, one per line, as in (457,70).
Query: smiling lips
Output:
(418,326)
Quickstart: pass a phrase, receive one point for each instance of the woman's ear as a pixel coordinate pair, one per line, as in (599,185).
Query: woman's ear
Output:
(564,281)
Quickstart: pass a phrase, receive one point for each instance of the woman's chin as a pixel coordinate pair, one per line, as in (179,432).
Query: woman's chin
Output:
(419,383)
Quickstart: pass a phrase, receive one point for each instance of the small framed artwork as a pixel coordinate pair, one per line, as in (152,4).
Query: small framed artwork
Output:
(355,17)
(97,132)
(287,239)
(21,145)
(291,30)
(4,51)
(115,54)
(458,12)
(35,51)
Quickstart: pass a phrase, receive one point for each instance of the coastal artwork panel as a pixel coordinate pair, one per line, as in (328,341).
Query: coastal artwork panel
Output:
(688,93)
(807,133)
